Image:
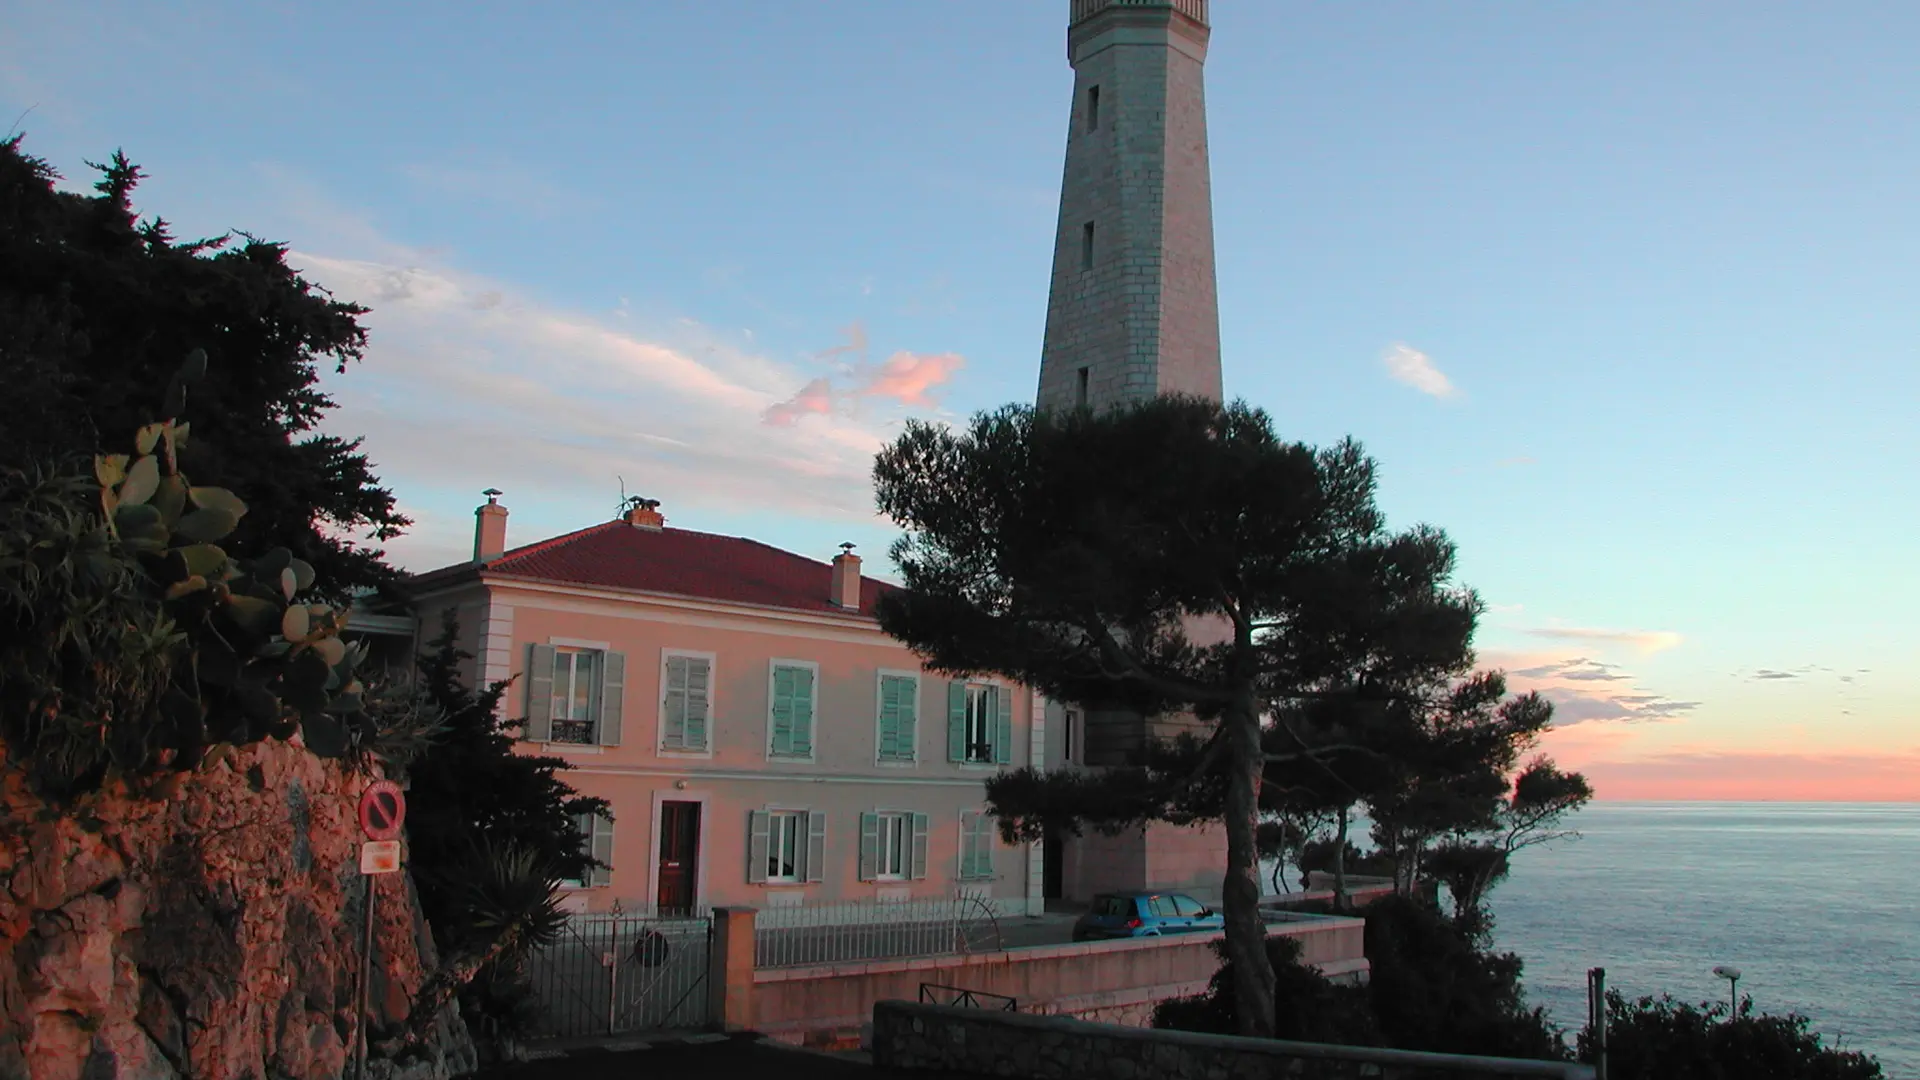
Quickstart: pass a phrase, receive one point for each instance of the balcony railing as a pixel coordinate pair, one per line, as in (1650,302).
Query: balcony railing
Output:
(1192,9)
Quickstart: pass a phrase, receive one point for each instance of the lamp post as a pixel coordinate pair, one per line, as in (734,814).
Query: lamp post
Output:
(1732,975)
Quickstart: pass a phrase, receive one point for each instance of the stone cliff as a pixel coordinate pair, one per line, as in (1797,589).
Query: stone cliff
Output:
(205,926)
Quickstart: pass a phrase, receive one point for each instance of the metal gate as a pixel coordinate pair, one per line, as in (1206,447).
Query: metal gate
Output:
(611,974)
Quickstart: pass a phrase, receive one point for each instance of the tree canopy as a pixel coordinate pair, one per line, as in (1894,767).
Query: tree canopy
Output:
(98,306)
(1171,557)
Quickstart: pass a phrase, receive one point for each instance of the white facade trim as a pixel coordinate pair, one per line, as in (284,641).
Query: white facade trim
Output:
(720,614)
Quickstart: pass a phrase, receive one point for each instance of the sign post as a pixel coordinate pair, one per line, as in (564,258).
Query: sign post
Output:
(383,809)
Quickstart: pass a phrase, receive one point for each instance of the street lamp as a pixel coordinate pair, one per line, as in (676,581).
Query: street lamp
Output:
(1732,975)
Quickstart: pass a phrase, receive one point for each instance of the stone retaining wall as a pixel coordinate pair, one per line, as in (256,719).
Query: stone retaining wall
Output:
(1117,981)
(934,1037)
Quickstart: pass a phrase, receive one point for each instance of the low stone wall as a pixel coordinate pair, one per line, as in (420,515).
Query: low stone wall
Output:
(933,1037)
(1114,981)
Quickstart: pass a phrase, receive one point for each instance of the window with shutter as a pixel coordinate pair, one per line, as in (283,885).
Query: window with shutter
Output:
(896,729)
(584,828)
(976,844)
(612,698)
(1003,725)
(685,682)
(787,838)
(790,709)
(540,693)
(816,845)
(893,846)
(759,839)
(869,846)
(956,721)
(918,868)
(986,731)
(575,695)
(602,874)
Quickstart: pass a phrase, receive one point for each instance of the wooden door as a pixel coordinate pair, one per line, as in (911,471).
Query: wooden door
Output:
(679,856)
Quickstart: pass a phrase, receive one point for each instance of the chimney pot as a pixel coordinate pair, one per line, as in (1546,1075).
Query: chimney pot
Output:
(489,528)
(846,579)
(644,514)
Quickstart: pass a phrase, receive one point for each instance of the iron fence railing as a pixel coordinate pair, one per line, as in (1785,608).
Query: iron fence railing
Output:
(935,994)
(850,931)
(609,974)
(1087,9)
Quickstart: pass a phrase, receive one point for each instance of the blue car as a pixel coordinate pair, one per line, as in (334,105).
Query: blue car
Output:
(1129,915)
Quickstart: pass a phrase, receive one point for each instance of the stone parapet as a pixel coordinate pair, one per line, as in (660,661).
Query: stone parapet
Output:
(940,1038)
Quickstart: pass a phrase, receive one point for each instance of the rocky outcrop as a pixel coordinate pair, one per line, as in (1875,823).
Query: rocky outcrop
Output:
(206,927)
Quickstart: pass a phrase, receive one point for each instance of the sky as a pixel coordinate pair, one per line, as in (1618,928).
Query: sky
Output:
(1620,295)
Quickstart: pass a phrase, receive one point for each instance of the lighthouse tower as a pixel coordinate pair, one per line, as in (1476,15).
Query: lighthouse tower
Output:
(1132,314)
(1132,311)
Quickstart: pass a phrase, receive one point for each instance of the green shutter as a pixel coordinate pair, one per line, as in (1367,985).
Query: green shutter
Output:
(699,673)
(613,697)
(897,712)
(780,715)
(869,846)
(816,845)
(540,693)
(956,721)
(919,868)
(887,722)
(1003,729)
(602,851)
(758,824)
(802,710)
(673,702)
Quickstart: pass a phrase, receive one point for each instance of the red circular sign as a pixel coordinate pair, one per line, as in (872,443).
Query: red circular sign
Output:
(382,808)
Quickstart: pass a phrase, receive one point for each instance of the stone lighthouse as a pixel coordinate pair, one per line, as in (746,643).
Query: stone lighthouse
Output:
(1132,311)
(1132,314)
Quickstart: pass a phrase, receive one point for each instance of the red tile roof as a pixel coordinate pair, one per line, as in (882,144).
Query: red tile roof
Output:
(679,562)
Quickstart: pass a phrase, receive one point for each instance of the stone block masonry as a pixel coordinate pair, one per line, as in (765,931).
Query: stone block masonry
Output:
(909,1037)
(1133,310)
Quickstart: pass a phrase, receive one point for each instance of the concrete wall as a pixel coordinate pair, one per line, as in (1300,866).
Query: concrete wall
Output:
(501,620)
(937,1038)
(1118,981)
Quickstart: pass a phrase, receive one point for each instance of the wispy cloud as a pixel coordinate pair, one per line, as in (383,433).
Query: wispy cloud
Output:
(470,384)
(906,378)
(1584,690)
(1579,669)
(1409,365)
(1646,641)
(1770,675)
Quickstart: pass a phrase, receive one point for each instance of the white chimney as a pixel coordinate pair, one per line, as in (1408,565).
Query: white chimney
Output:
(489,528)
(846,579)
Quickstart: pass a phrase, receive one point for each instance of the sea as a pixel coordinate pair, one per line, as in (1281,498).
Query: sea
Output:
(1816,904)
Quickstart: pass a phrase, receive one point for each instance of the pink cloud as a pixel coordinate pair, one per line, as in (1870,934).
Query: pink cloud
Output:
(815,397)
(1892,776)
(906,377)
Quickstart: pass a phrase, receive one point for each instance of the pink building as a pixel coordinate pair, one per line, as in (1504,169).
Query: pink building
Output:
(760,740)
